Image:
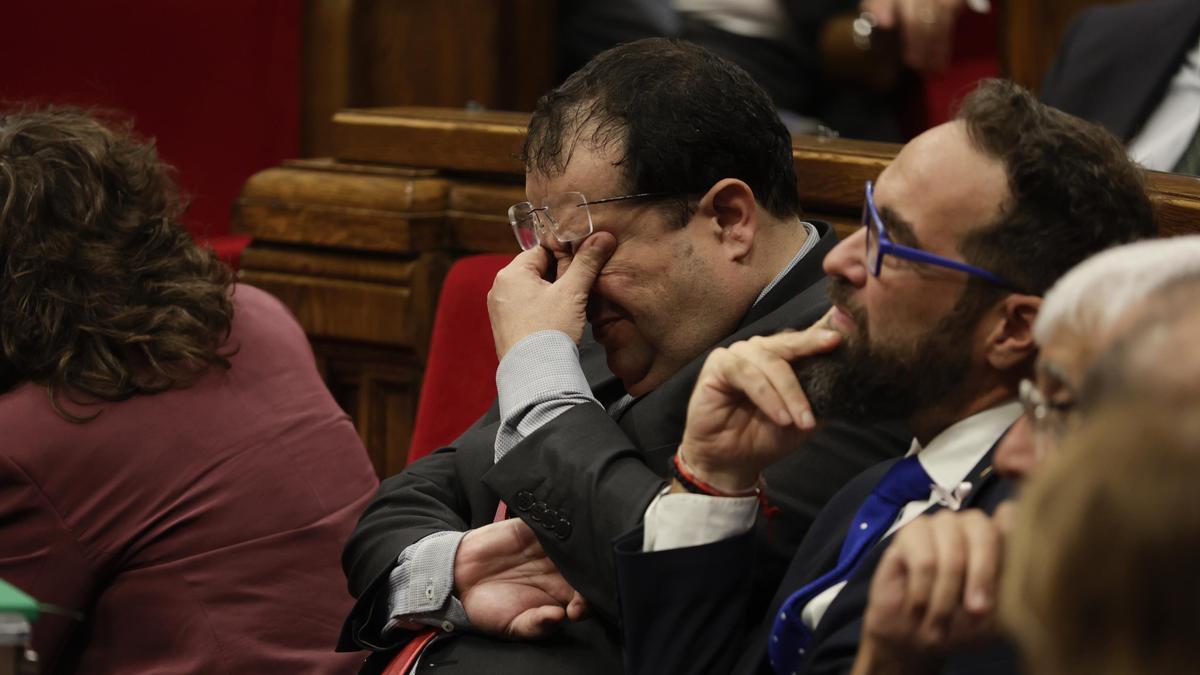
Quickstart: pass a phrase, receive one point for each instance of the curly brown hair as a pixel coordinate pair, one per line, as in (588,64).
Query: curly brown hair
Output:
(102,291)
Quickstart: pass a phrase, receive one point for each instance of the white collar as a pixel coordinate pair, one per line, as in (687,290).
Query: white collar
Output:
(951,455)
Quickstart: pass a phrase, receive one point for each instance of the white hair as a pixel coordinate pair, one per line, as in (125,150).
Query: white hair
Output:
(1091,297)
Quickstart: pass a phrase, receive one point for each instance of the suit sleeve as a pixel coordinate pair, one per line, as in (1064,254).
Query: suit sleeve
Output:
(580,483)
(424,499)
(684,609)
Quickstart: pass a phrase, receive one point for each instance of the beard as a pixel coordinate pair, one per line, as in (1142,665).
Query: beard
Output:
(862,382)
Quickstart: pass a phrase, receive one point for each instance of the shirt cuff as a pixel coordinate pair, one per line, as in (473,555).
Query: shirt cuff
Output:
(420,587)
(537,380)
(681,519)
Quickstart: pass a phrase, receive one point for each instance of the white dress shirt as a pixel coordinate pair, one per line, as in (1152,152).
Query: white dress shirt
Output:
(1170,128)
(685,519)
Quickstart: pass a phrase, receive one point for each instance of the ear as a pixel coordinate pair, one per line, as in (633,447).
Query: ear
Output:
(1010,340)
(730,206)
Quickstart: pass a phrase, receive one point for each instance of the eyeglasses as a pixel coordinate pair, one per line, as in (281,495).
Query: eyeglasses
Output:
(879,245)
(1046,415)
(566,215)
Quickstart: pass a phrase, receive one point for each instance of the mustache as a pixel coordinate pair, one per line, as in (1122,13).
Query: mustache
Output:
(840,291)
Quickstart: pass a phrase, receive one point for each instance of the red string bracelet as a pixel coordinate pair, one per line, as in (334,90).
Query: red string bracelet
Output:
(681,472)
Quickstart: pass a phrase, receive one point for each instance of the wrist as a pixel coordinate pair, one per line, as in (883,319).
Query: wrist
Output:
(736,480)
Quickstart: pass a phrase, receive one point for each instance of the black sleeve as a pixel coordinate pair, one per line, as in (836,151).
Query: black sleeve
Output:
(684,610)
(579,482)
(429,496)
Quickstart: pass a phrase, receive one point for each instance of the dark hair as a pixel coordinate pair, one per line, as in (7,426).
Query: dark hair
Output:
(681,118)
(1074,190)
(102,291)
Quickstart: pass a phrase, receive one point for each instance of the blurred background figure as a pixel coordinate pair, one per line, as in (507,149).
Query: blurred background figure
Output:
(883,71)
(1100,576)
(1135,68)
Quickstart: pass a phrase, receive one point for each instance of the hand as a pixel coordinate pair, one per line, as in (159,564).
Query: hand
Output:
(748,410)
(507,584)
(927,28)
(522,302)
(933,591)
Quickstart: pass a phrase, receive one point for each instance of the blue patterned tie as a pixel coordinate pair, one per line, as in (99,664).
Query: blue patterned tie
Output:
(905,482)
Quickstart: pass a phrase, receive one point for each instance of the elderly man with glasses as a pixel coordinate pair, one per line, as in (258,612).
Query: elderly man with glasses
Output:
(662,211)
(933,320)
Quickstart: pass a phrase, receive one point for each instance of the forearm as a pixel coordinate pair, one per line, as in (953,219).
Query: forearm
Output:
(537,380)
(579,483)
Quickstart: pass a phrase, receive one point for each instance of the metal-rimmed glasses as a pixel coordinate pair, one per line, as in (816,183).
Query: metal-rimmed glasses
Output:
(1046,415)
(879,245)
(565,215)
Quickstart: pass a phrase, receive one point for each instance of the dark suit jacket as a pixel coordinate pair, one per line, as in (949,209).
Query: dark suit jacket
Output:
(197,530)
(581,481)
(685,610)
(1115,62)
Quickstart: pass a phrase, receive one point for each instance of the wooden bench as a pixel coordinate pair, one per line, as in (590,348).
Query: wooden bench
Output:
(357,244)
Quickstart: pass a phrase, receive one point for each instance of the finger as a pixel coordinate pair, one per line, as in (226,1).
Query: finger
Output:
(577,609)
(562,253)
(946,592)
(884,12)
(783,378)
(742,375)
(1004,517)
(793,345)
(588,260)
(536,260)
(921,565)
(536,622)
(886,599)
(983,543)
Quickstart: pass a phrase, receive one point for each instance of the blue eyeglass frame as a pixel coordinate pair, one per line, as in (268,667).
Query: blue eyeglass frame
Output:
(889,247)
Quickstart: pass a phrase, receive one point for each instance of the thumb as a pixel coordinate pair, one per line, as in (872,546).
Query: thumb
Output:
(589,260)
(536,622)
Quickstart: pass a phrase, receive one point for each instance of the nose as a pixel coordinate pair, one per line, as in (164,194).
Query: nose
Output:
(1016,455)
(847,259)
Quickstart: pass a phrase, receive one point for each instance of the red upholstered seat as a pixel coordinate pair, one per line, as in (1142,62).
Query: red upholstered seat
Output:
(460,373)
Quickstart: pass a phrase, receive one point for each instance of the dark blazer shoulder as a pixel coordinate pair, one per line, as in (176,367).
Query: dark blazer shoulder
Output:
(1115,62)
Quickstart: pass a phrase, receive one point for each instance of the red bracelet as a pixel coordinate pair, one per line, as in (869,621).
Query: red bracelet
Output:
(683,473)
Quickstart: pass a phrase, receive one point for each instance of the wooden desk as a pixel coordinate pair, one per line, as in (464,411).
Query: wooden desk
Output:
(357,244)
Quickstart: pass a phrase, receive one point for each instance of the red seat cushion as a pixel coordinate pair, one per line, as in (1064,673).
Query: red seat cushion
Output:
(460,373)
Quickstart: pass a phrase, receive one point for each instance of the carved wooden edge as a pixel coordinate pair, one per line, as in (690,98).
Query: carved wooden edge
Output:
(830,172)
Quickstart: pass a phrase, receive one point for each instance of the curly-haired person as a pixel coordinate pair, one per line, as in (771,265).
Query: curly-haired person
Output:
(172,469)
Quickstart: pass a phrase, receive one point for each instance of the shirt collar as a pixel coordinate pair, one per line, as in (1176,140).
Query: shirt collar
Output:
(951,455)
(810,240)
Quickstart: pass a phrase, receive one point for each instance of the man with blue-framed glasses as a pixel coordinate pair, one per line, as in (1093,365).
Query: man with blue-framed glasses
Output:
(934,300)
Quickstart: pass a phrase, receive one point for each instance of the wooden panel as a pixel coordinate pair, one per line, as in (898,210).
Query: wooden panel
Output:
(1177,202)
(378,388)
(327,72)
(367,210)
(461,140)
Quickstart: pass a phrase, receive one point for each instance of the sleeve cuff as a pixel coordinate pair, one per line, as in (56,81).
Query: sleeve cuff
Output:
(420,587)
(544,361)
(683,519)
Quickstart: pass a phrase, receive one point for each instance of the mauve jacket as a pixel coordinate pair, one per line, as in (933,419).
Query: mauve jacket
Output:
(197,530)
